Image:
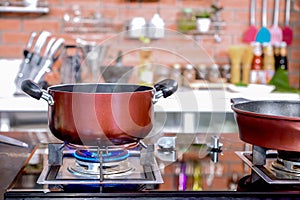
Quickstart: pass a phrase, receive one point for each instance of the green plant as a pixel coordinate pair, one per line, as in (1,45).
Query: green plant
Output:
(208,12)
(203,14)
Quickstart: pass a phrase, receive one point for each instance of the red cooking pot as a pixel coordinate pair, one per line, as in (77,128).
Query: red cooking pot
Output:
(93,114)
(273,124)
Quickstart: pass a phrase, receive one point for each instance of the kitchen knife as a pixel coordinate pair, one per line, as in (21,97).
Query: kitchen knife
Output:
(12,141)
(28,65)
(29,44)
(36,69)
(40,43)
(27,57)
(51,57)
(36,57)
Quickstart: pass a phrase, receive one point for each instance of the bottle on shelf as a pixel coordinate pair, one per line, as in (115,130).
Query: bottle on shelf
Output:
(268,61)
(256,73)
(281,78)
(276,54)
(282,60)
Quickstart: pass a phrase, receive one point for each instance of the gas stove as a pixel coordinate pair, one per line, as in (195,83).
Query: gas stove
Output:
(154,171)
(275,169)
(66,167)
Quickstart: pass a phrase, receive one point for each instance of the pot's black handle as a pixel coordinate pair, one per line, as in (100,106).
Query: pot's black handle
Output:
(239,100)
(32,89)
(167,87)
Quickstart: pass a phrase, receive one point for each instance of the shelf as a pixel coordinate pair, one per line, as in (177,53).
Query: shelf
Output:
(86,25)
(214,25)
(23,9)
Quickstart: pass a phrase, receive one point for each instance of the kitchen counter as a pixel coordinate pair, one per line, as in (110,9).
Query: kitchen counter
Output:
(212,180)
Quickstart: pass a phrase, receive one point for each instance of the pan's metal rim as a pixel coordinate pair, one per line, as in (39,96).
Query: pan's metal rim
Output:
(266,116)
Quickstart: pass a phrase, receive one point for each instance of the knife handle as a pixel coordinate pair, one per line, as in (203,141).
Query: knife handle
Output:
(41,41)
(30,41)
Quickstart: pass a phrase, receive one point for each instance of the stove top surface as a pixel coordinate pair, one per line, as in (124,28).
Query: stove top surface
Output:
(181,173)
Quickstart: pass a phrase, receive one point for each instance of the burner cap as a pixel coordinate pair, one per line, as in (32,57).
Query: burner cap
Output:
(92,155)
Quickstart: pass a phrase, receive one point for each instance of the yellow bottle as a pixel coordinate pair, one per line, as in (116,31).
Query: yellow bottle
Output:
(268,61)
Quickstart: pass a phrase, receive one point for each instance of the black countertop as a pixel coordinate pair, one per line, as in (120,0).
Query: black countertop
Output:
(212,180)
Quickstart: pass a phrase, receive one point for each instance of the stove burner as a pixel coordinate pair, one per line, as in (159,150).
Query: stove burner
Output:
(92,155)
(112,162)
(287,164)
(283,172)
(92,170)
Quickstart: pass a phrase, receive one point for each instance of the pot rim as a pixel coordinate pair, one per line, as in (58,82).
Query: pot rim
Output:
(59,88)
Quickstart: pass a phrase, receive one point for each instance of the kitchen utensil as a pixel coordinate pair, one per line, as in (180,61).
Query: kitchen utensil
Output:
(251,32)
(269,123)
(24,66)
(36,57)
(38,47)
(29,44)
(287,32)
(99,114)
(53,54)
(235,54)
(275,30)
(263,35)
(36,69)
(12,141)
(246,64)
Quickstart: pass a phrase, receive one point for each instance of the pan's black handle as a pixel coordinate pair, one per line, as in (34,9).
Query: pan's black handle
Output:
(239,100)
(32,89)
(167,87)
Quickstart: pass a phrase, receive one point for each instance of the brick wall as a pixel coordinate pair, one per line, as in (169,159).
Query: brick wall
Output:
(15,28)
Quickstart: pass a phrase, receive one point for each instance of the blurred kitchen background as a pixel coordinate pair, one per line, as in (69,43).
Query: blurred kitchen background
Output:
(16,26)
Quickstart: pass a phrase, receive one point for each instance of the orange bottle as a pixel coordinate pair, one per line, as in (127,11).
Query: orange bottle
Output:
(256,73)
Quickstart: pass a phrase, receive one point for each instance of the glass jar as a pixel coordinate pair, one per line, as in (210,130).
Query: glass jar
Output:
(189,75)
(213,73)
(187,20)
